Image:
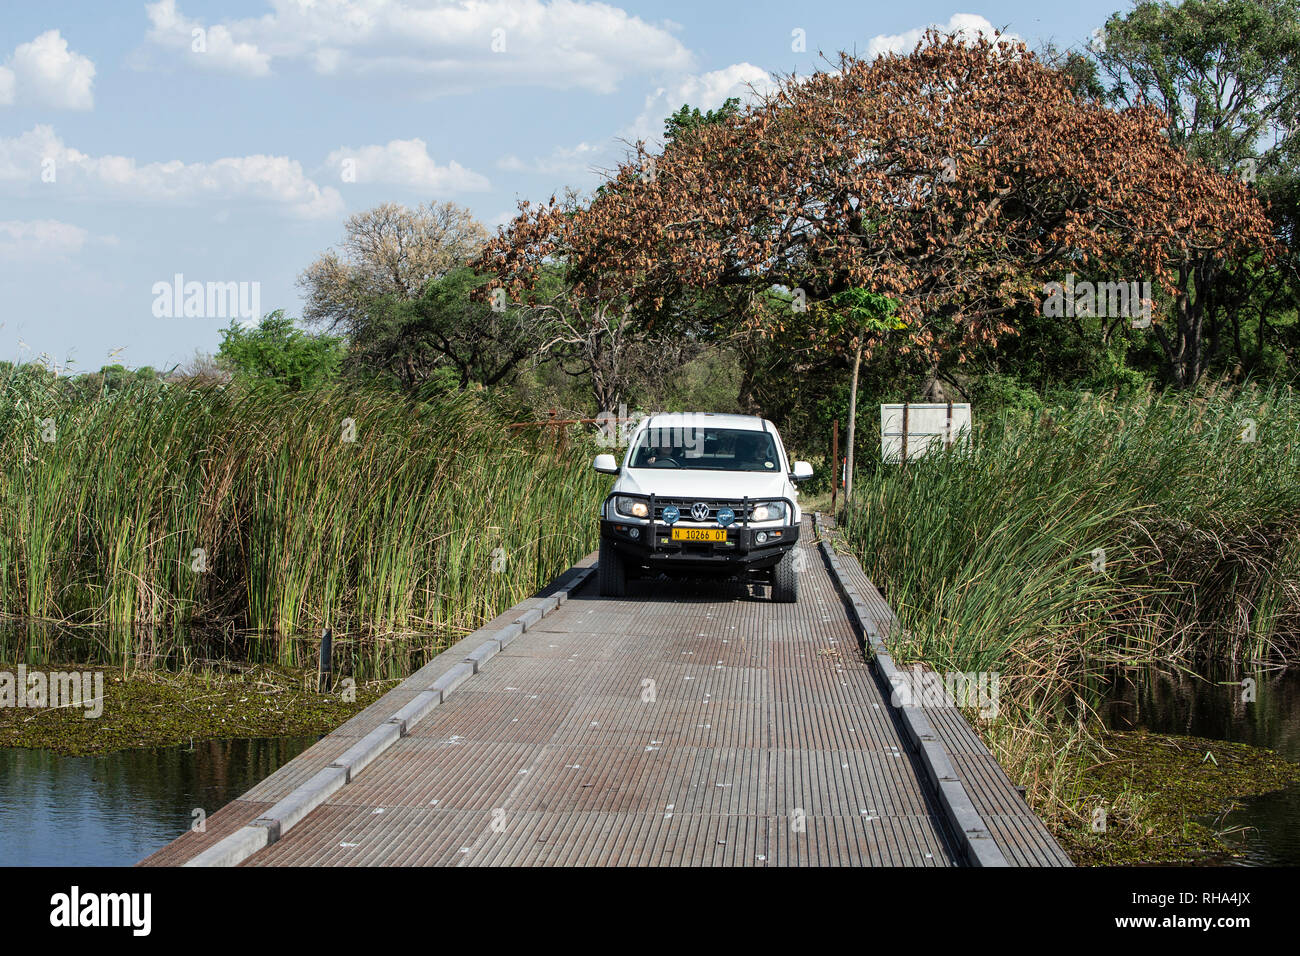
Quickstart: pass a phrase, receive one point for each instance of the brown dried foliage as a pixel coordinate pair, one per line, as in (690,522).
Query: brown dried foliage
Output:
(957,179)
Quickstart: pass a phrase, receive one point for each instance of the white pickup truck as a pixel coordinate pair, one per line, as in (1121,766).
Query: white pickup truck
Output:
(702,494)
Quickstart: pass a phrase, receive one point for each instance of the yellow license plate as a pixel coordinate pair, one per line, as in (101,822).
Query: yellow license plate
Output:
(699,534)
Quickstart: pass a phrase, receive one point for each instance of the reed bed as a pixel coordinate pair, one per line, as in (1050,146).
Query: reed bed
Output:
(1097,534)
(164,513)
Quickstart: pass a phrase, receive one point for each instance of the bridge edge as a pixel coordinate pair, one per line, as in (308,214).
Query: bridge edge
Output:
(272,825)
(949,790)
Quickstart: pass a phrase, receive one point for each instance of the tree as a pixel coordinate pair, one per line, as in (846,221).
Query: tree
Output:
(958,181)
(276,351)
(858,313)
(589,328)
(597,337)
(681,124)
(448,327)
(389,252)
(619,347)
(398,291)
(1226,74)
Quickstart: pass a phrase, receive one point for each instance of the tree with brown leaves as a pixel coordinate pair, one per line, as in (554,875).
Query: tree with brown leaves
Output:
(958,180)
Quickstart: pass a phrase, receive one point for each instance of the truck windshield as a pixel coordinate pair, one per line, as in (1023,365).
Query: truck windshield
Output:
(708,449)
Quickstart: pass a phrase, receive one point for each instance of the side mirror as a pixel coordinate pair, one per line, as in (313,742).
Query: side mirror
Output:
(802,471)
(606,465)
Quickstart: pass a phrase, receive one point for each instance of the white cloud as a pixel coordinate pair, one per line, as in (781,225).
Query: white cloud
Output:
(404,162)
(704,92)
(561,161)
(208,48)
(446,45)
(967,26)
(40,239)
(44,72)
(278,180)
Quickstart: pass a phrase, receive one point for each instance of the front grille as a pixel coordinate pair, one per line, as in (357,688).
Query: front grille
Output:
(684,506)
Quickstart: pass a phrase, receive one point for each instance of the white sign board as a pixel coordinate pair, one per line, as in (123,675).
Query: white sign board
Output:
(913,430)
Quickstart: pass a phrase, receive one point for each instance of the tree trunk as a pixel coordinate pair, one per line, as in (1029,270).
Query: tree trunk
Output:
(745,399)
(934,391)
(1187,352)
(853,423)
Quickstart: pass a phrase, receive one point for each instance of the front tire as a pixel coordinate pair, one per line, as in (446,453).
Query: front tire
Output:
(611,571)
(785,582)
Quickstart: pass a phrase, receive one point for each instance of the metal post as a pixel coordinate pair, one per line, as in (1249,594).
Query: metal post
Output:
(326,662)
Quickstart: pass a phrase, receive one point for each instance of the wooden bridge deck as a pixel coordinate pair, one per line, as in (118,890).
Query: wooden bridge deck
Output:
(687,724)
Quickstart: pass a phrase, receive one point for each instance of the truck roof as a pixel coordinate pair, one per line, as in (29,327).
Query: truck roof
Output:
(707,419)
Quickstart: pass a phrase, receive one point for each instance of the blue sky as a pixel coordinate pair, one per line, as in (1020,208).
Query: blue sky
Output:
(128,156)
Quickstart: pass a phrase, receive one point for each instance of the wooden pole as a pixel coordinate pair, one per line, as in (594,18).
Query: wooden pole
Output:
(326,662)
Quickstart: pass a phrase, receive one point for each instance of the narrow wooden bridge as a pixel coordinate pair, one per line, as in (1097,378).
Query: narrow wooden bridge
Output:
(686,724)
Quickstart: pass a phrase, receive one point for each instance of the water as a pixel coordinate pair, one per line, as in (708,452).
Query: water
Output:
(116,809)
(1209,704)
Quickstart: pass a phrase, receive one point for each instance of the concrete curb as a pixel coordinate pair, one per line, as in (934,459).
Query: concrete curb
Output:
(978,845)
(277,821)
(233,849)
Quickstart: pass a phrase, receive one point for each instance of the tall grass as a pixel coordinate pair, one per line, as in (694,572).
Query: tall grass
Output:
(175,510)
(1116,524)
(1107,532)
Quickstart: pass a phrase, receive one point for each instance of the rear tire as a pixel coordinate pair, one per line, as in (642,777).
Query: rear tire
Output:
(612,573)
(785,582)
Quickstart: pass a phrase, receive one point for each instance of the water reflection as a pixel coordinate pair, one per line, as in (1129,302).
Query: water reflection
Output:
(115,809)
(1212,704)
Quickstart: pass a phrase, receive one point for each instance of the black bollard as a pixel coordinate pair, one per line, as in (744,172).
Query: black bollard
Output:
(326,662)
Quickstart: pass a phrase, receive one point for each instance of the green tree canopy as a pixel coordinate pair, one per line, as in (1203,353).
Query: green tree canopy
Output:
(276,350)
(689,118)
(1226,73)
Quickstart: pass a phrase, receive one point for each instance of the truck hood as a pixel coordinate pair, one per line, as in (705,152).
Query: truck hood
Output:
(686,483)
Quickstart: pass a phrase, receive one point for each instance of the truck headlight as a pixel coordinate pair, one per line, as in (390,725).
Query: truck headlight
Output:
(769,511)
(632,507)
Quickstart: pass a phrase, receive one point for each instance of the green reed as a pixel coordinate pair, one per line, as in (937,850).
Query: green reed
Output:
(174,510)
(1156,528)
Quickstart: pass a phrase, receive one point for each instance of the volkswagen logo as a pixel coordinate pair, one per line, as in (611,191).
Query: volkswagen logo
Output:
(700,511)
